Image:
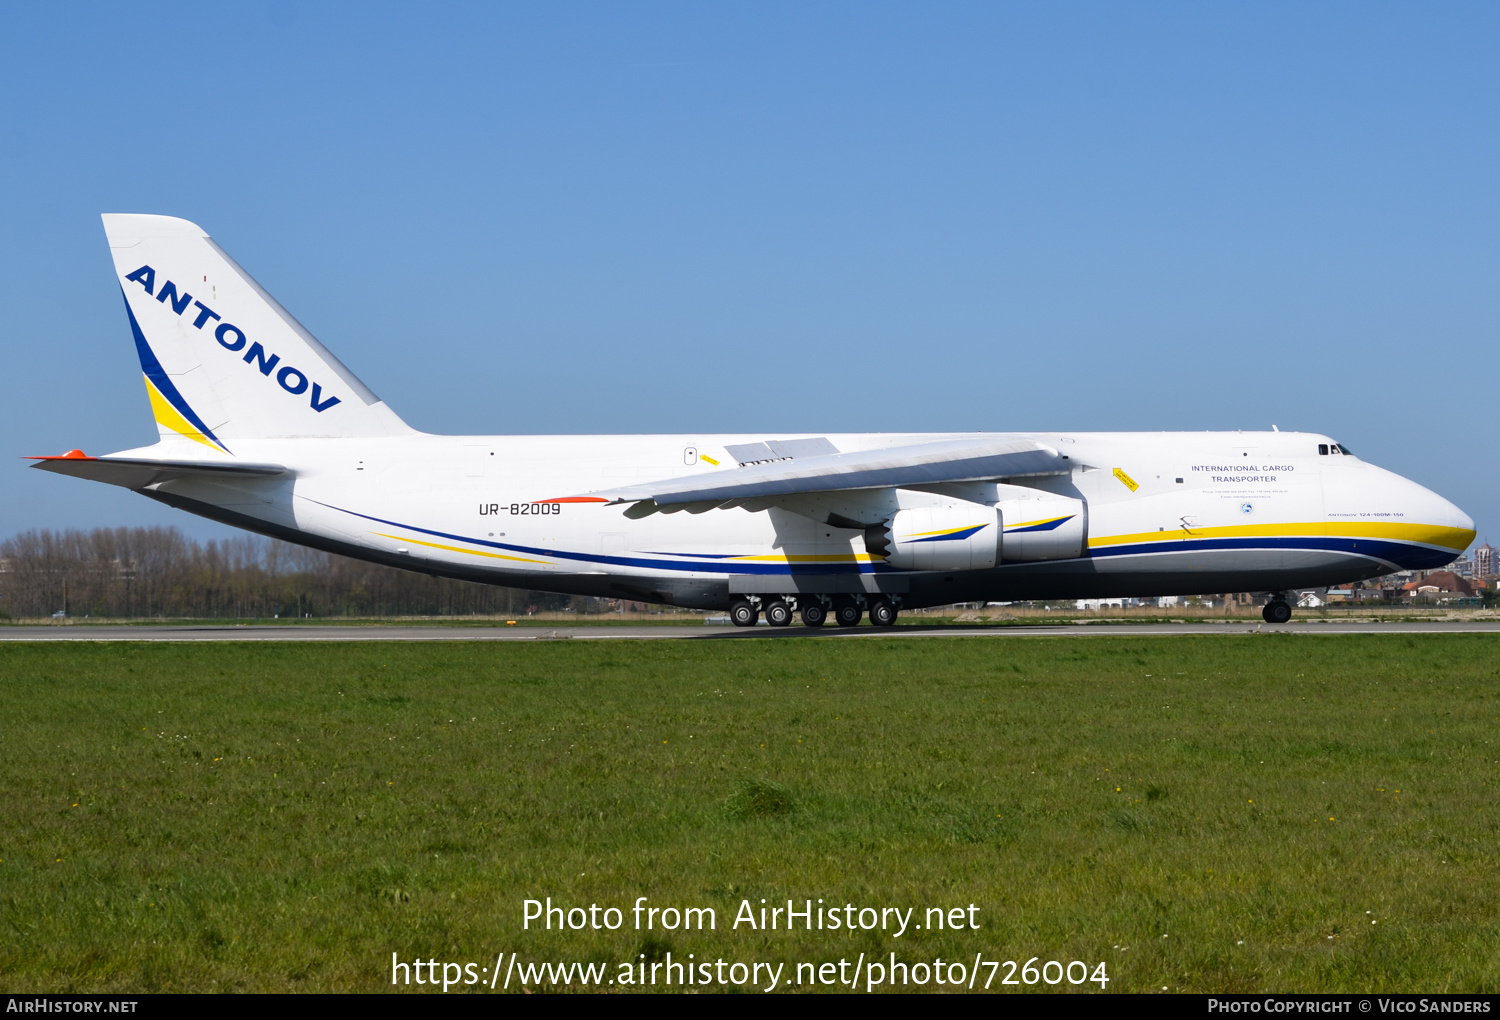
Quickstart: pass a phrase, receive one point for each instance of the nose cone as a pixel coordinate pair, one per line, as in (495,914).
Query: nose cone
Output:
(1421,529)
(1465,523)
(1428,508)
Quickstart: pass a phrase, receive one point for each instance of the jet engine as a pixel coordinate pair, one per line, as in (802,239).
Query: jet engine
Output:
(1045,528)
(971,536)
(958,536)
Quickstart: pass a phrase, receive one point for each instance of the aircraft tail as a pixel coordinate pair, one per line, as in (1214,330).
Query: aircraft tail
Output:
(222,359)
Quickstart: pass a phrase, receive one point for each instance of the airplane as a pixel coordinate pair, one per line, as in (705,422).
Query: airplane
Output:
(262,428)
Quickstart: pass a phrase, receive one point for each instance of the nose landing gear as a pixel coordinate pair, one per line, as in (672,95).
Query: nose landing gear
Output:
(1278,610)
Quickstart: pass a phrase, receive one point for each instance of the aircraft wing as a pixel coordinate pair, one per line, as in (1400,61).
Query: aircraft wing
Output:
(138,473)
(920,464)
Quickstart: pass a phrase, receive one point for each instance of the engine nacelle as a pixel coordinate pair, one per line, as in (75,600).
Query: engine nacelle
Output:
(971,536)
(1047,528)
(958,536)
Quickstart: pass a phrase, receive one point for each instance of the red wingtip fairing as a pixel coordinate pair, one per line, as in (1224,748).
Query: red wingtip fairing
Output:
(70,455)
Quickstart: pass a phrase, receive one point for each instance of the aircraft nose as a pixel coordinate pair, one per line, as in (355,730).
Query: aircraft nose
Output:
(1435,509)
(1443,530)
(1466,522)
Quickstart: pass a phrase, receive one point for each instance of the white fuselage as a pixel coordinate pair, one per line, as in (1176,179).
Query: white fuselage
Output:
(1166,514)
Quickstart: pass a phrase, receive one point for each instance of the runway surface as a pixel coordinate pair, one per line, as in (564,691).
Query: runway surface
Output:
(626,632)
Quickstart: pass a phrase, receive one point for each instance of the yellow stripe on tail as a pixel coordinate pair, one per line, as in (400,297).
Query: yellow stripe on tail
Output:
(168,417)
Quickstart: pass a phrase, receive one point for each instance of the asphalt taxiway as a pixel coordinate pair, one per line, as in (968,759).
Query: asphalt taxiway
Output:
(627,632)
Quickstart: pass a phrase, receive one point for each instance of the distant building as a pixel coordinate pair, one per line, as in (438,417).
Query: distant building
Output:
(1440,582)
(1484,561)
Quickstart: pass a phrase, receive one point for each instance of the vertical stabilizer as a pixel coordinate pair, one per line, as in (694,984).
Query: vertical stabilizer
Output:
(222,359)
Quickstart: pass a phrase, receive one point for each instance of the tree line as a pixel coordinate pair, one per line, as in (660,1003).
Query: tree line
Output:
(142,573)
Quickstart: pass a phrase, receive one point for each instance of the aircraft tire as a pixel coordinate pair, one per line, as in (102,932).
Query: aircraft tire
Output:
(742,613)
(778,613)
(846,613)
(882,613)
(813,613)
(1276,611)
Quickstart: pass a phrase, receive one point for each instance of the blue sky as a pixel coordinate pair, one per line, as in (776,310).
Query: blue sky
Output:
(701,217)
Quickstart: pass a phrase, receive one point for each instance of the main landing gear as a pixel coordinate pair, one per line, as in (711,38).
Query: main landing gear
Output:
(778,613)
(815,610)
(846,612)
(1278,610)
(882,613)
(742,613)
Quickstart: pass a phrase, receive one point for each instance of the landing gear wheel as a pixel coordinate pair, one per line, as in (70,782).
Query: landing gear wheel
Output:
(743,613)
(813,614)
(846,613)
(1276,612)
(778,613)
(882,613)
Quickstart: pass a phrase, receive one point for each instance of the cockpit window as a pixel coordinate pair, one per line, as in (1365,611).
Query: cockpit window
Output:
(1341,448)
(1322,449)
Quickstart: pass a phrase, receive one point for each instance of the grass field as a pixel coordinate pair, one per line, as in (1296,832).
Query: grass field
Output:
(1215,813)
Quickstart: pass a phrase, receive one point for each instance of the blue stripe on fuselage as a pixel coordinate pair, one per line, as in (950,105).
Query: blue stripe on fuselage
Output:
(1405,555)
(630,561)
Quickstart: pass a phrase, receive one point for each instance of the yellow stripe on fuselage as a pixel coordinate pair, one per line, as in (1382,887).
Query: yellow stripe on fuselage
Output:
(1424,534)
(459,549)
(774,558)
(169,417)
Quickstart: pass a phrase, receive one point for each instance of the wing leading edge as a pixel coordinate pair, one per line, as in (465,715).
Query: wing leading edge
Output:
(919,464)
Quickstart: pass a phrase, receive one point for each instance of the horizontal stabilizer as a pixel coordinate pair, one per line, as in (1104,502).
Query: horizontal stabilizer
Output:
(139,473)
(919,464)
